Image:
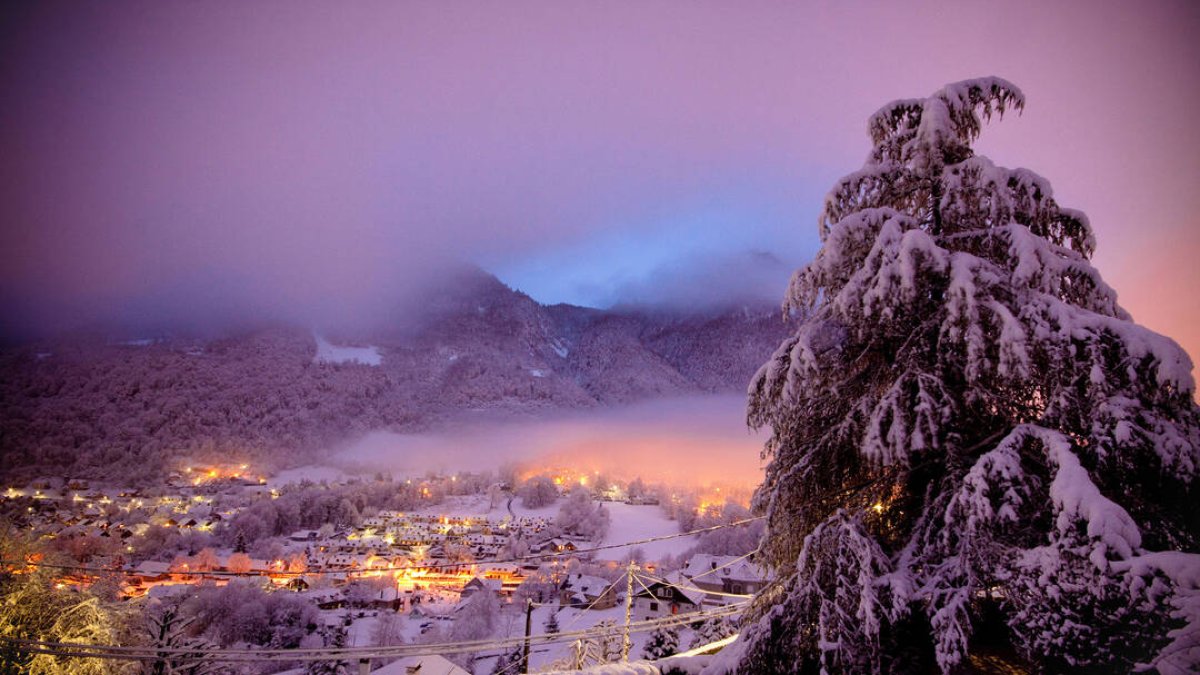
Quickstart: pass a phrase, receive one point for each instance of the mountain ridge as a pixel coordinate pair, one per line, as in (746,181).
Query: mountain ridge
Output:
(98,409)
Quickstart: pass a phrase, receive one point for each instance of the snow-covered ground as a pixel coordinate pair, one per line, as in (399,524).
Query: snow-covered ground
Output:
(328,352)
(631,523)
(628,523)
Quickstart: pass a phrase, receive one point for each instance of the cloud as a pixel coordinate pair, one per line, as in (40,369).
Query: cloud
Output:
(710,282)
(168,161)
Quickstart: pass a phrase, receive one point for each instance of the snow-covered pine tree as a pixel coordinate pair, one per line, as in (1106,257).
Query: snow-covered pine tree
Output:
(974,448)
(663,642)
(711,630)
(167,628)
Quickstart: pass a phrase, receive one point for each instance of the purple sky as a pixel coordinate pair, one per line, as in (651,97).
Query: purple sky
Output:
(312,161)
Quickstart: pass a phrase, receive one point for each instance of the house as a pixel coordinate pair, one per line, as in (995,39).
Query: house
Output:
(480,584)
(387,598)
(665,598)
(581,590)
(153,570)
(420,665)
(555,545)
(722,576)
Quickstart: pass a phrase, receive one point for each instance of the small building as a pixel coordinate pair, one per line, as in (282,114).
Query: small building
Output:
(152,570)
(421,665)
(581,590)
(481,584)
(664,598)
(722,576)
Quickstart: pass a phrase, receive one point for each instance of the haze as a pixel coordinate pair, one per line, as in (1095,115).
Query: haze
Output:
(186,163)
(698,440)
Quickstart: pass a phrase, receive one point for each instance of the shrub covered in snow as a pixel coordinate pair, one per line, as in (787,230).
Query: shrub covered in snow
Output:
(967,427)
(663,642)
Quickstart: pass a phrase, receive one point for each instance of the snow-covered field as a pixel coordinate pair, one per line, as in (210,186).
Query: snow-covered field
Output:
(328,352)
(631,523)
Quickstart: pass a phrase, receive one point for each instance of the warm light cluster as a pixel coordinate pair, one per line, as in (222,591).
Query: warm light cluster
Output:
(199,475)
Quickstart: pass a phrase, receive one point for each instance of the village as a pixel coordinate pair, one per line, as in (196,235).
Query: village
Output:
(425,563)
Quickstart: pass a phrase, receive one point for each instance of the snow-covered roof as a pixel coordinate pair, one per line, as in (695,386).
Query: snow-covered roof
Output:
(680,586)
(725,566)
(151,568)
(483,582)
(584,583)
(420,665)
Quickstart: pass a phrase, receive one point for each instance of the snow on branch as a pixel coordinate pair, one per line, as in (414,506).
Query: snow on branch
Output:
(1181,655)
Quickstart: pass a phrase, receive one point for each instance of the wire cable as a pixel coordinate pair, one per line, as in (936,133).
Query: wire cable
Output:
(151,653)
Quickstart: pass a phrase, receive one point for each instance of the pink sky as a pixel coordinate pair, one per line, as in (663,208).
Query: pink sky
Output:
(307,159)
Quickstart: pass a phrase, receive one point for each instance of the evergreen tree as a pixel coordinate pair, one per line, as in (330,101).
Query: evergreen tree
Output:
(167,628)
(711,630)
(967,427)
(335,638)
(551,625)
(239,543)
(663,642)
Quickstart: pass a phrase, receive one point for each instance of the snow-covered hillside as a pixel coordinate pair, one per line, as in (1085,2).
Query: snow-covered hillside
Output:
(328,352)
(478,348)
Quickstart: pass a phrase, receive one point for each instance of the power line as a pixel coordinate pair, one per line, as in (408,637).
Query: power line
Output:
(396,650)
(390,568)
(731,562)
(151,653)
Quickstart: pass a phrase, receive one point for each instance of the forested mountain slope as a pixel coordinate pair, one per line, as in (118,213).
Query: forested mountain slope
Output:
(89,406)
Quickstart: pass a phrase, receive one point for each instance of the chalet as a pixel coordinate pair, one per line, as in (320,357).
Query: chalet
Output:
(581,590)
(722,576)
(481,584)
(664,599)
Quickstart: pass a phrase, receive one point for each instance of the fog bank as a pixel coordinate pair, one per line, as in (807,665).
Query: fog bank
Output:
(694,440)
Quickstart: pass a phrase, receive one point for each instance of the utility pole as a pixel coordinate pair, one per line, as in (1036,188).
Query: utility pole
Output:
(625,642)
(528,626)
